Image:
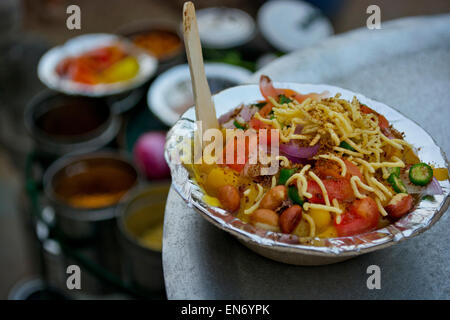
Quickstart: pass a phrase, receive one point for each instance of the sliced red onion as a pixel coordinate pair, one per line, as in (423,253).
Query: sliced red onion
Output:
(244,113)
(149,155)
(431,189)
(298,129)
(247,113)
(226,117)
(297,160)
(230,115)
(296,153)
(229,124)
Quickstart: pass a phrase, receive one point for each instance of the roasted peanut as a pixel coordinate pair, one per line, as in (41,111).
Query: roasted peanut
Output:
(273,198)
(229,198)
(290,218)
(399,205)
(265,218)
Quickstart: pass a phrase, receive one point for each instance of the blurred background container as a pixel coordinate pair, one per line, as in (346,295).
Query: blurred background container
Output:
(140,220)
(35,254)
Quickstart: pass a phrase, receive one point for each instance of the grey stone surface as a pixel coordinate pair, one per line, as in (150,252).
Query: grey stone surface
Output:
(405,65)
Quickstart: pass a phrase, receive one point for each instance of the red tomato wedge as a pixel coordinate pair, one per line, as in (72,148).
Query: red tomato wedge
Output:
(331,169)
(326,169)
(268,90)
(257,125)
(382,121)
(316,192)
(232,146)
(361,216)
(352,170)
(300,97)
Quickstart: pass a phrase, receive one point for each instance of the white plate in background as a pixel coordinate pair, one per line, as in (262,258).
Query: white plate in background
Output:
(290,25)
(223,28)
(76,46)
(170,95)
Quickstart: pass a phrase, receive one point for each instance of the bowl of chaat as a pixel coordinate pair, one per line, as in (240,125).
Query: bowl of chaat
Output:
(351,174)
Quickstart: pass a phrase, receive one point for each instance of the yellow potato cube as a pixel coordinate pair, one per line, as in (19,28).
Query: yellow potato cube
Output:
(322,218)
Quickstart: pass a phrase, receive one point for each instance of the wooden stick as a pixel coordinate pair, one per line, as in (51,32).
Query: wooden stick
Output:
(204,105)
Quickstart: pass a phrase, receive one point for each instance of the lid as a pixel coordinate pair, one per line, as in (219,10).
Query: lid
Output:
(170,95)
(290,25)
(223,28)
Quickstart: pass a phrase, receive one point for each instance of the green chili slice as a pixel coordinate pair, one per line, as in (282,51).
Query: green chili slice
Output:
(238,125)
(420,174)
(395,171)
(282,99)
(294,196)
(285,174)
(345,145)
(397,184)
(260,105)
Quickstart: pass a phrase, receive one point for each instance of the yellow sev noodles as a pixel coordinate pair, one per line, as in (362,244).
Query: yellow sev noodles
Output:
(330,122)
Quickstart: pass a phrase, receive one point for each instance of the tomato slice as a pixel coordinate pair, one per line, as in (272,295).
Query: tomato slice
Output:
(264,112)
(316,192)
(330,169)
(382,121)
(361,216)
(267,89)
(298,96)
(233,145)
(365,109)
(339,189)
(258,124)
(326,169)
(352,170)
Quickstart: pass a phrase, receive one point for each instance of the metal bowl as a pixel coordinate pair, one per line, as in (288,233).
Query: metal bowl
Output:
(290,248)
(91,230)
(139,212)
(101,125)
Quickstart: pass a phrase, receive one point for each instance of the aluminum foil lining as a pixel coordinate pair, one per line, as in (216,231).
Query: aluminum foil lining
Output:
(426,213)
(76,46)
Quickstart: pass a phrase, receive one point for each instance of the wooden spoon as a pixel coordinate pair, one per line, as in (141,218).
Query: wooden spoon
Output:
(204,105)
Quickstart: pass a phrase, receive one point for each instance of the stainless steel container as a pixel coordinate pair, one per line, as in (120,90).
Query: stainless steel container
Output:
(61,124)
(34,289)
(90,231)
(143,210)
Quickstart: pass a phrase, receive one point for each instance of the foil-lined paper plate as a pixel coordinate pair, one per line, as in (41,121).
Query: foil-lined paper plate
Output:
(78,45)
(290,248)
